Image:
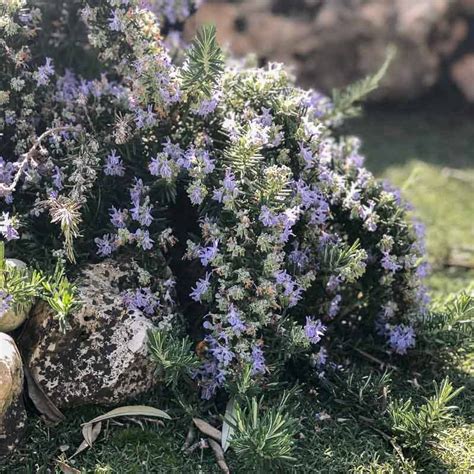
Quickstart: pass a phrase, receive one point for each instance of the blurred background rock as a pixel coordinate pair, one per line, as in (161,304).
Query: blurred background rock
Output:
(332,43)
(418,129)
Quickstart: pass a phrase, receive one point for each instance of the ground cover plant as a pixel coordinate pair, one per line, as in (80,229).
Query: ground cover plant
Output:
(299,258)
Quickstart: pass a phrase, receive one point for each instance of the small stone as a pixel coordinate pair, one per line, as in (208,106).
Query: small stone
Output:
(12,408)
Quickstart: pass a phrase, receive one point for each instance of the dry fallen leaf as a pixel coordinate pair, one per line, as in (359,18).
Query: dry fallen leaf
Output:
(133,410)
(227,429)
(207,429)
(66,468)
(189,438)
(43,404)
(219,453)
(90,433)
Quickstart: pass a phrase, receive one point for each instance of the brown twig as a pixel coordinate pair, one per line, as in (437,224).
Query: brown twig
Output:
(27,158)
(375,359)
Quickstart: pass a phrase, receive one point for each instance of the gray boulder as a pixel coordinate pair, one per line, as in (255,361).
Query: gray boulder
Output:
(101,358)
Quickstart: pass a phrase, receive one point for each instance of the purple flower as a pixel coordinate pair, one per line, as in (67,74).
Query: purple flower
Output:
(207,254)
(422,270)
(142,214)
(334,306)
(266,118)
(267,217)
(5,302)
(208,162)
(136,191)
(355,159)
(299,258)
(45,72)
(218,195)
(115,22)
(333,283)
(173,150)
(236,323)
(211,377)
(143,239)
(258,361)
(291,290)
(206,107)
(307,156)
(288,219)
(114,165)
(319,104)
(57,179)
(161,166)
(202,286)
(314,330)
(106,245)
(141,299)
(7,228)
(117,217)
(229,182)
(389,262)
(321,357)
(401,338)
(195,195)
(221,353)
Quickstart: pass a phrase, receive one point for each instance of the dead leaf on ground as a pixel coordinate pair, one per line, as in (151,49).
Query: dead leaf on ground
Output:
(42,402)
(133,410)
(219,454)
(66,468)
(207,429)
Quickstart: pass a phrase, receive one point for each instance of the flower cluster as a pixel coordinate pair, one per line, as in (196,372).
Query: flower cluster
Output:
(300,245)
(291,243)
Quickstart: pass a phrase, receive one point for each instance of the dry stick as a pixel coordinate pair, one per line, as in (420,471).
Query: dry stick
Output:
(28,157)
(374,359)
(189,438)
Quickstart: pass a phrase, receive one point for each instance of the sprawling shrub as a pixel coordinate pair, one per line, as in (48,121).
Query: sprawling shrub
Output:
(292,245)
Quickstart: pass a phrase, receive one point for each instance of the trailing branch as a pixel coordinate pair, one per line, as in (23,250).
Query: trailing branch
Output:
(28,158)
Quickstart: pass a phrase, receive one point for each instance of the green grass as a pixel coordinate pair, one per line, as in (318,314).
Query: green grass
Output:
(412,148)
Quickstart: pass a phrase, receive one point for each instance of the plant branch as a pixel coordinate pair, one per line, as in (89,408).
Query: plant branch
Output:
(27,158)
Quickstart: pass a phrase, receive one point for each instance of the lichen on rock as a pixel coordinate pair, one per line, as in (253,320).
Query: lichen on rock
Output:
(102,356)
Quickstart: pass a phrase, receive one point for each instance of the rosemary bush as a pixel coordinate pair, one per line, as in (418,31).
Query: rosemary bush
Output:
(111,148)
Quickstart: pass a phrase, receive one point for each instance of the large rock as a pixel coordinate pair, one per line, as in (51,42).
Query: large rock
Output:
(462,74)
(333,43)
(12,409)
(101,357)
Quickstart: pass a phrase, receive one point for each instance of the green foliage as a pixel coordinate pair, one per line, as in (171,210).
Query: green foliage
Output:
(21,283)
(60,294)
(361,393)
(174,356)
(414,427)
(263,438)
(244,157)
(204,63)
(347,101)
(450,322)
(347,260)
